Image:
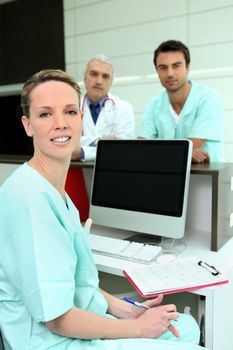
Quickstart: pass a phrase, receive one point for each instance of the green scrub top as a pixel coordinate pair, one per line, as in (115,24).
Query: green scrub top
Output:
(202,117)
(46,268)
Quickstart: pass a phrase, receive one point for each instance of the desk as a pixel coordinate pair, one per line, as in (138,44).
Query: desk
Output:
(217,235)
(210,205)
(218,306)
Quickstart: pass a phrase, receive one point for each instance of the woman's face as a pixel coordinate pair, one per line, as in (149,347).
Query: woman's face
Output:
(55,121)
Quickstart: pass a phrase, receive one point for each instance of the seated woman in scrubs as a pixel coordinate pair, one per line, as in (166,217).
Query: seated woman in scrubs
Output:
(49,291)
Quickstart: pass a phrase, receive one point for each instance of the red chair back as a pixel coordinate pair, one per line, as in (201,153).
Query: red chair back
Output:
(76,189)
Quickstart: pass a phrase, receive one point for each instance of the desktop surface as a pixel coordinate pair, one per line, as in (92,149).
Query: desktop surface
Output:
(196,242)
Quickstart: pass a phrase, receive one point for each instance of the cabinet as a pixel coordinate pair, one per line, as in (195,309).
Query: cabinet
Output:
(210,207)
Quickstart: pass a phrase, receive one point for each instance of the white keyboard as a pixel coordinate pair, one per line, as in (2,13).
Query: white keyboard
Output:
(123,249)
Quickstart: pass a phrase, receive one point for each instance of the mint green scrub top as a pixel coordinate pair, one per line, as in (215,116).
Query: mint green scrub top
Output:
(46,268)
(201,117)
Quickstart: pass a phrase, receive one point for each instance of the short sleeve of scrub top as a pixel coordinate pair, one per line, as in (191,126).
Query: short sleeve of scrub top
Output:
(208,122)
(43,250)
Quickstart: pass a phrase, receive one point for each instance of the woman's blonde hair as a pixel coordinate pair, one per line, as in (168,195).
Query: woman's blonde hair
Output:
(41,77)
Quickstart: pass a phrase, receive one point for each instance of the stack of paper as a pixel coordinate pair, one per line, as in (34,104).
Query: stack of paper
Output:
(182,275)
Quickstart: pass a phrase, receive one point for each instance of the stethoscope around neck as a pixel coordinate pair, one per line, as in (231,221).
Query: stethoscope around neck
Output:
(108,104)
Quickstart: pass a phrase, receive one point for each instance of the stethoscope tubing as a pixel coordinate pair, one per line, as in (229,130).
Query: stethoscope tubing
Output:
(103,105)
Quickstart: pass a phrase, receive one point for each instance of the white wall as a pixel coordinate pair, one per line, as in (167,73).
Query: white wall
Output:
(128,31)
(6,170)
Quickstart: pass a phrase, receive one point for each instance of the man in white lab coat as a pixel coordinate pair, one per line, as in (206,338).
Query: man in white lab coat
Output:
(104,116)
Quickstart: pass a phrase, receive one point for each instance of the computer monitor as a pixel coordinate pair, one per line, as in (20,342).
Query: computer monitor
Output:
(142,186)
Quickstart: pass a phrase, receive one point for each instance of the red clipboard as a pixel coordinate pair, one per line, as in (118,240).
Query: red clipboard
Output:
(180,276)
(172,291)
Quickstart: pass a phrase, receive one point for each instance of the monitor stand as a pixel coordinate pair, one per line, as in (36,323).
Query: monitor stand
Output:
(141,238)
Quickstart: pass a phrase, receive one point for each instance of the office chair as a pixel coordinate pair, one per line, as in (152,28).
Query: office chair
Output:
(76,189)
(1,342)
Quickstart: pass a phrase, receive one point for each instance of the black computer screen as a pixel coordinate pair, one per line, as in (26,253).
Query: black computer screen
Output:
(141,175)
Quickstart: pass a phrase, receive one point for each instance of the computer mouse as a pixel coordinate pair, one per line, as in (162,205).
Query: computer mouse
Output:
(166,258)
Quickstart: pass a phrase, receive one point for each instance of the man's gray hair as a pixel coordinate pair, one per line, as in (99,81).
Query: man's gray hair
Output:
(100,58)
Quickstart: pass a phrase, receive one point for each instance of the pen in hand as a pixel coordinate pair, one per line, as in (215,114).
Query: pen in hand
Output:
(135,303)
(171,328)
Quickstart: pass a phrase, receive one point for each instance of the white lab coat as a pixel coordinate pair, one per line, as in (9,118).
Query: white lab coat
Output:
(114,119)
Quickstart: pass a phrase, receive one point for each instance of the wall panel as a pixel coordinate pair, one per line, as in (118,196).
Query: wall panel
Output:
(133,66)
(130,40)
(71,68)
(228,125)
(224,86)
(69,23)
(200,5)
(213,56)
(67,4)
(82,3)
(219,25)
(70,50)
(228,149)
(144,92)
(117,14)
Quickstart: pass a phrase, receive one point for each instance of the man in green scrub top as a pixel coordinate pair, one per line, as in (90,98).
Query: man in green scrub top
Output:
(185,109)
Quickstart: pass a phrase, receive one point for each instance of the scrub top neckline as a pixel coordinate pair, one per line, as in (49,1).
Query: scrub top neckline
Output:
(66,201)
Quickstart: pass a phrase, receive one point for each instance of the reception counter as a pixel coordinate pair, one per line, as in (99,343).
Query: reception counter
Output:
(210,207)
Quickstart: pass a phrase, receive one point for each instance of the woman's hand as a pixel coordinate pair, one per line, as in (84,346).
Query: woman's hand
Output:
(161,316)
(147,323)
(138,311)
(155,321)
